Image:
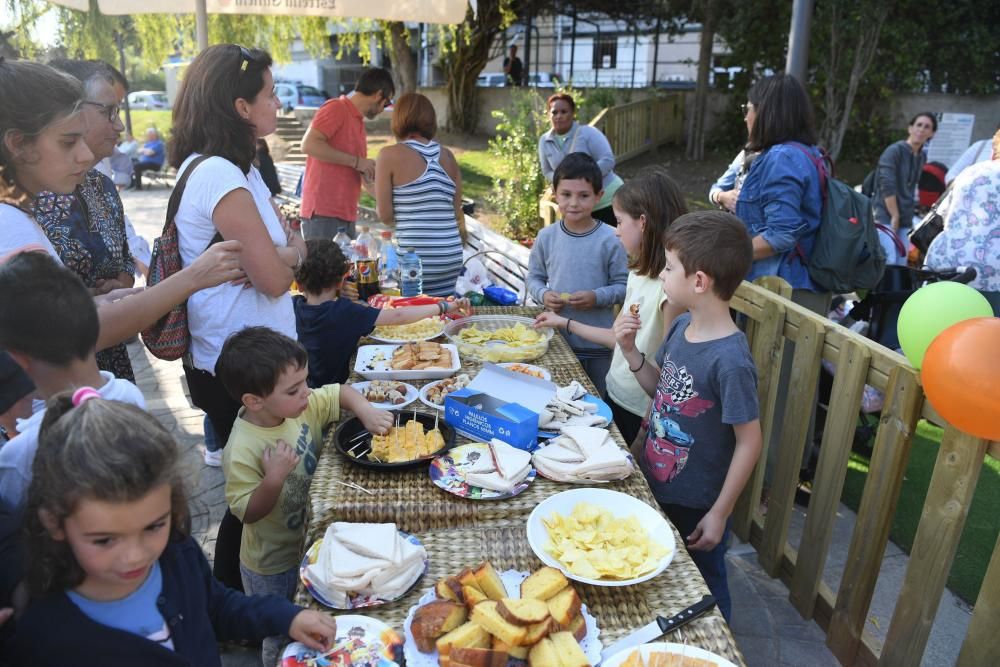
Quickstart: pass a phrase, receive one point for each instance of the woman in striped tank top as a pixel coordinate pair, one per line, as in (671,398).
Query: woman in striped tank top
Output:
(418,188)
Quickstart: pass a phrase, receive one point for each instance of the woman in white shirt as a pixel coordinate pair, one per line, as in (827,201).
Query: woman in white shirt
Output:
(225,103)
(42,149)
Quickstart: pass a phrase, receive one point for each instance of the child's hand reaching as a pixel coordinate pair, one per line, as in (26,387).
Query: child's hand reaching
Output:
(708,533)
(461,307)
(625,328)
(376,421)
(550,321)
(314,629)
(553,301)
(583,300)
(279,461)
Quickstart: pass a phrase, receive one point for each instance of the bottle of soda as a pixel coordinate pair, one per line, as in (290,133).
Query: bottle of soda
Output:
(344,241)
(411,273)
(388,263)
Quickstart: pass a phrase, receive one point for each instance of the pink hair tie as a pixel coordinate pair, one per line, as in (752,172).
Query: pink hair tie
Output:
(84,394)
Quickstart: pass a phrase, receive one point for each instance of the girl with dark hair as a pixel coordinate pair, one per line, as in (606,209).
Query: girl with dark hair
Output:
(111,560)
(644,207)
(225,103)
(569,136)
(898,173)
(43,150)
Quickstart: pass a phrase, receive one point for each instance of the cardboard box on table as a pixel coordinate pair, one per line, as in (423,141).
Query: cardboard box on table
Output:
(501,404)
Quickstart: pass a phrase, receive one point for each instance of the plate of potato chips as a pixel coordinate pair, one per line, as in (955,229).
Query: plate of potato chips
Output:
(601,537)
(425,329)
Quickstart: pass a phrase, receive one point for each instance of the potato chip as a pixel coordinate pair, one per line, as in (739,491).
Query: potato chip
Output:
(593,543)
(425,328)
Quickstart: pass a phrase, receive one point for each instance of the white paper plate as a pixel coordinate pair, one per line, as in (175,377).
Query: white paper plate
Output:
(668,648)
(620,505)
(512,579)
(546,375)
(411,395)
(426,401)
(374,336)
(372,363)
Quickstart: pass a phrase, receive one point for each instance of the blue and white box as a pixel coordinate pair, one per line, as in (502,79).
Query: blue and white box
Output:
(501,404)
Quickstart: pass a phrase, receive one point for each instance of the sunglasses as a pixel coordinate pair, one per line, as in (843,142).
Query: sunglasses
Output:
(245,59)
(111,112)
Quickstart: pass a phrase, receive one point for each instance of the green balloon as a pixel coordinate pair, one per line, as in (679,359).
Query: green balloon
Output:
(932,309)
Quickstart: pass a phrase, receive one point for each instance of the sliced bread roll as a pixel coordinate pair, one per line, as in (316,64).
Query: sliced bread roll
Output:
(489,581)
(569,651)
(522,611)
(543,584)
(485,614)
(564,606)
(478,657)
(433,620)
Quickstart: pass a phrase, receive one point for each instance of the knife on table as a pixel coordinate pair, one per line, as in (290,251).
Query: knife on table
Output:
(659,627)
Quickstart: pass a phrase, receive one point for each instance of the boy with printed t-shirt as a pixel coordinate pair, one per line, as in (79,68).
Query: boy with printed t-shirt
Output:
(703,433)
(272,452)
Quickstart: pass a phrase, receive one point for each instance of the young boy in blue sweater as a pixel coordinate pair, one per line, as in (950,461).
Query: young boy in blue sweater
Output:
(703,435)
(578,267)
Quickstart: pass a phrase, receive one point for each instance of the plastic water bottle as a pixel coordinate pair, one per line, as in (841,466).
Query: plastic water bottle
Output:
(344,241)
(411,273)
(388,262)
(364,245)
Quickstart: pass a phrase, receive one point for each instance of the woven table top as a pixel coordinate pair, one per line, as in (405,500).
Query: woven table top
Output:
(458,532)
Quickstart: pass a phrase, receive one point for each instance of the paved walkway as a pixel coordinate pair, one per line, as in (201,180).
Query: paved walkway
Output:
(767,628)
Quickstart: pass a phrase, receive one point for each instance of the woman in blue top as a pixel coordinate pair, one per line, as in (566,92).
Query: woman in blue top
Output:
(152,155)
(780,202)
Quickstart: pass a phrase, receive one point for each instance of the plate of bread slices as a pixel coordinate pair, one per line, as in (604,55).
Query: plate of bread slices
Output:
(357,565)
(484,618)
(414,439)
(361,642)
(426,360)
(483,471)
(666,654)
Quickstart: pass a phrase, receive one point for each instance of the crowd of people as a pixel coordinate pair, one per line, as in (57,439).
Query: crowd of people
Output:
(94,527)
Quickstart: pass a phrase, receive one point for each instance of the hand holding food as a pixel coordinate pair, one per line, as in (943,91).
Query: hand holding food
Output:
(553,301)
(314,629)
(375,420)
(625,328)
(583,300)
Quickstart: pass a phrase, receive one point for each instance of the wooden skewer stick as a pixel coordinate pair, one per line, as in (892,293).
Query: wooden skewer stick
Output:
(359,435)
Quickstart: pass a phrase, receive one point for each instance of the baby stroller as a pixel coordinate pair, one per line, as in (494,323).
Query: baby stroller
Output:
(875,316)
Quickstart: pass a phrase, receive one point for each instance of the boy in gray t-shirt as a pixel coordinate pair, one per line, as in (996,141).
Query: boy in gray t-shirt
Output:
(703,436)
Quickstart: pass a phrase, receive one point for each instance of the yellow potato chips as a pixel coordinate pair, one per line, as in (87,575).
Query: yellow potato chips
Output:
(593,543)
(515,336)
(425,328)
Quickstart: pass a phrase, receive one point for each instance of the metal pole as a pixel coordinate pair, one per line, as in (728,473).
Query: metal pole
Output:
(656,51)
(526,74)
(572,47)
(798,39)
(201,24)
(635,51)
(120,43)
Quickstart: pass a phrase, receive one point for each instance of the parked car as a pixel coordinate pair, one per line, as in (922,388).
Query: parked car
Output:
(148,99)
(293,94)
(543,80)
(492,80)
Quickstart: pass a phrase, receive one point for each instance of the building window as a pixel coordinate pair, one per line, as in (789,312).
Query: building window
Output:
(606,53)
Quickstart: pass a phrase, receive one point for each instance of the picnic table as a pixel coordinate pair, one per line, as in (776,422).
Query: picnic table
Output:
(457,532)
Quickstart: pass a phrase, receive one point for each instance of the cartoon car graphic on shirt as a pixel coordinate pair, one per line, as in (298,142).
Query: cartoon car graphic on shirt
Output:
(666,428)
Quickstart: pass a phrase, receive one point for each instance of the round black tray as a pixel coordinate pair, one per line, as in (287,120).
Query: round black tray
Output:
(343,439)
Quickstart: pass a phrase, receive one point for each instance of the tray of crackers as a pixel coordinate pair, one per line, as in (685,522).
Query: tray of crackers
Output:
(425,360)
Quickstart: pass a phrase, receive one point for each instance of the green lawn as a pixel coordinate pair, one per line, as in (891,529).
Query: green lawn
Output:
(981,527)
(141,120)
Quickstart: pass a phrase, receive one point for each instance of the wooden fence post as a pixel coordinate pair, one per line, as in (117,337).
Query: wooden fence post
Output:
(794,438)
(953,482)
(982,640)
(767,346)
(831,470)
(878,505)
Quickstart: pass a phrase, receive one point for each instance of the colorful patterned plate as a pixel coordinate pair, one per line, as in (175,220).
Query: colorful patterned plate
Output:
(361,642)
(446,472)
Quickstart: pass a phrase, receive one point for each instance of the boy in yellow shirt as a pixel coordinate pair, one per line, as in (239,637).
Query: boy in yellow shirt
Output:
(272,452)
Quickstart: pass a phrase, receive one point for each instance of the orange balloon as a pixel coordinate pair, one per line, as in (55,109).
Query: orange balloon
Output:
(961,376)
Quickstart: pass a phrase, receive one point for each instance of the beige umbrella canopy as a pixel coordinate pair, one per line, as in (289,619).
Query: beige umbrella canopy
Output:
(423,11)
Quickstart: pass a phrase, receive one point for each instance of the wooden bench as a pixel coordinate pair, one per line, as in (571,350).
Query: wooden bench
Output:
(505,260)
(290,177)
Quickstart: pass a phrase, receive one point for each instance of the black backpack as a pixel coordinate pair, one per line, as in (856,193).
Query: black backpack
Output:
(847,255)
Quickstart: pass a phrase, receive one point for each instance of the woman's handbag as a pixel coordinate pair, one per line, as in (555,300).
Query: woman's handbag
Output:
(169,337)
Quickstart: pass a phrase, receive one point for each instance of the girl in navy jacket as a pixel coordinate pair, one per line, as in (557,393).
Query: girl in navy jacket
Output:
(116,577)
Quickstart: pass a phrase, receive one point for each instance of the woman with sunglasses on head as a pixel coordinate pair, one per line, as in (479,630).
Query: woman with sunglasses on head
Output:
(43,149)
(225,103)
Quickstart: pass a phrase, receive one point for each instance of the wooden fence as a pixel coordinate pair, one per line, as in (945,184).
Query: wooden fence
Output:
(774,319)
(633,129)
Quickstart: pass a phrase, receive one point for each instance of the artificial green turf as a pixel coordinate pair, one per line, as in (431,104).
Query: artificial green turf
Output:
(979,537)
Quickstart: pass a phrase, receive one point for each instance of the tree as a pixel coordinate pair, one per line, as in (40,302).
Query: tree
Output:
(709,12)
(404,64)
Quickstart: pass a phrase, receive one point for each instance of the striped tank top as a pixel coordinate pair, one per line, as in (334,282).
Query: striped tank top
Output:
(424,210)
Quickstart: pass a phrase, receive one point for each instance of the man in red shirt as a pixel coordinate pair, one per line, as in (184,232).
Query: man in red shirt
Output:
(337,164)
